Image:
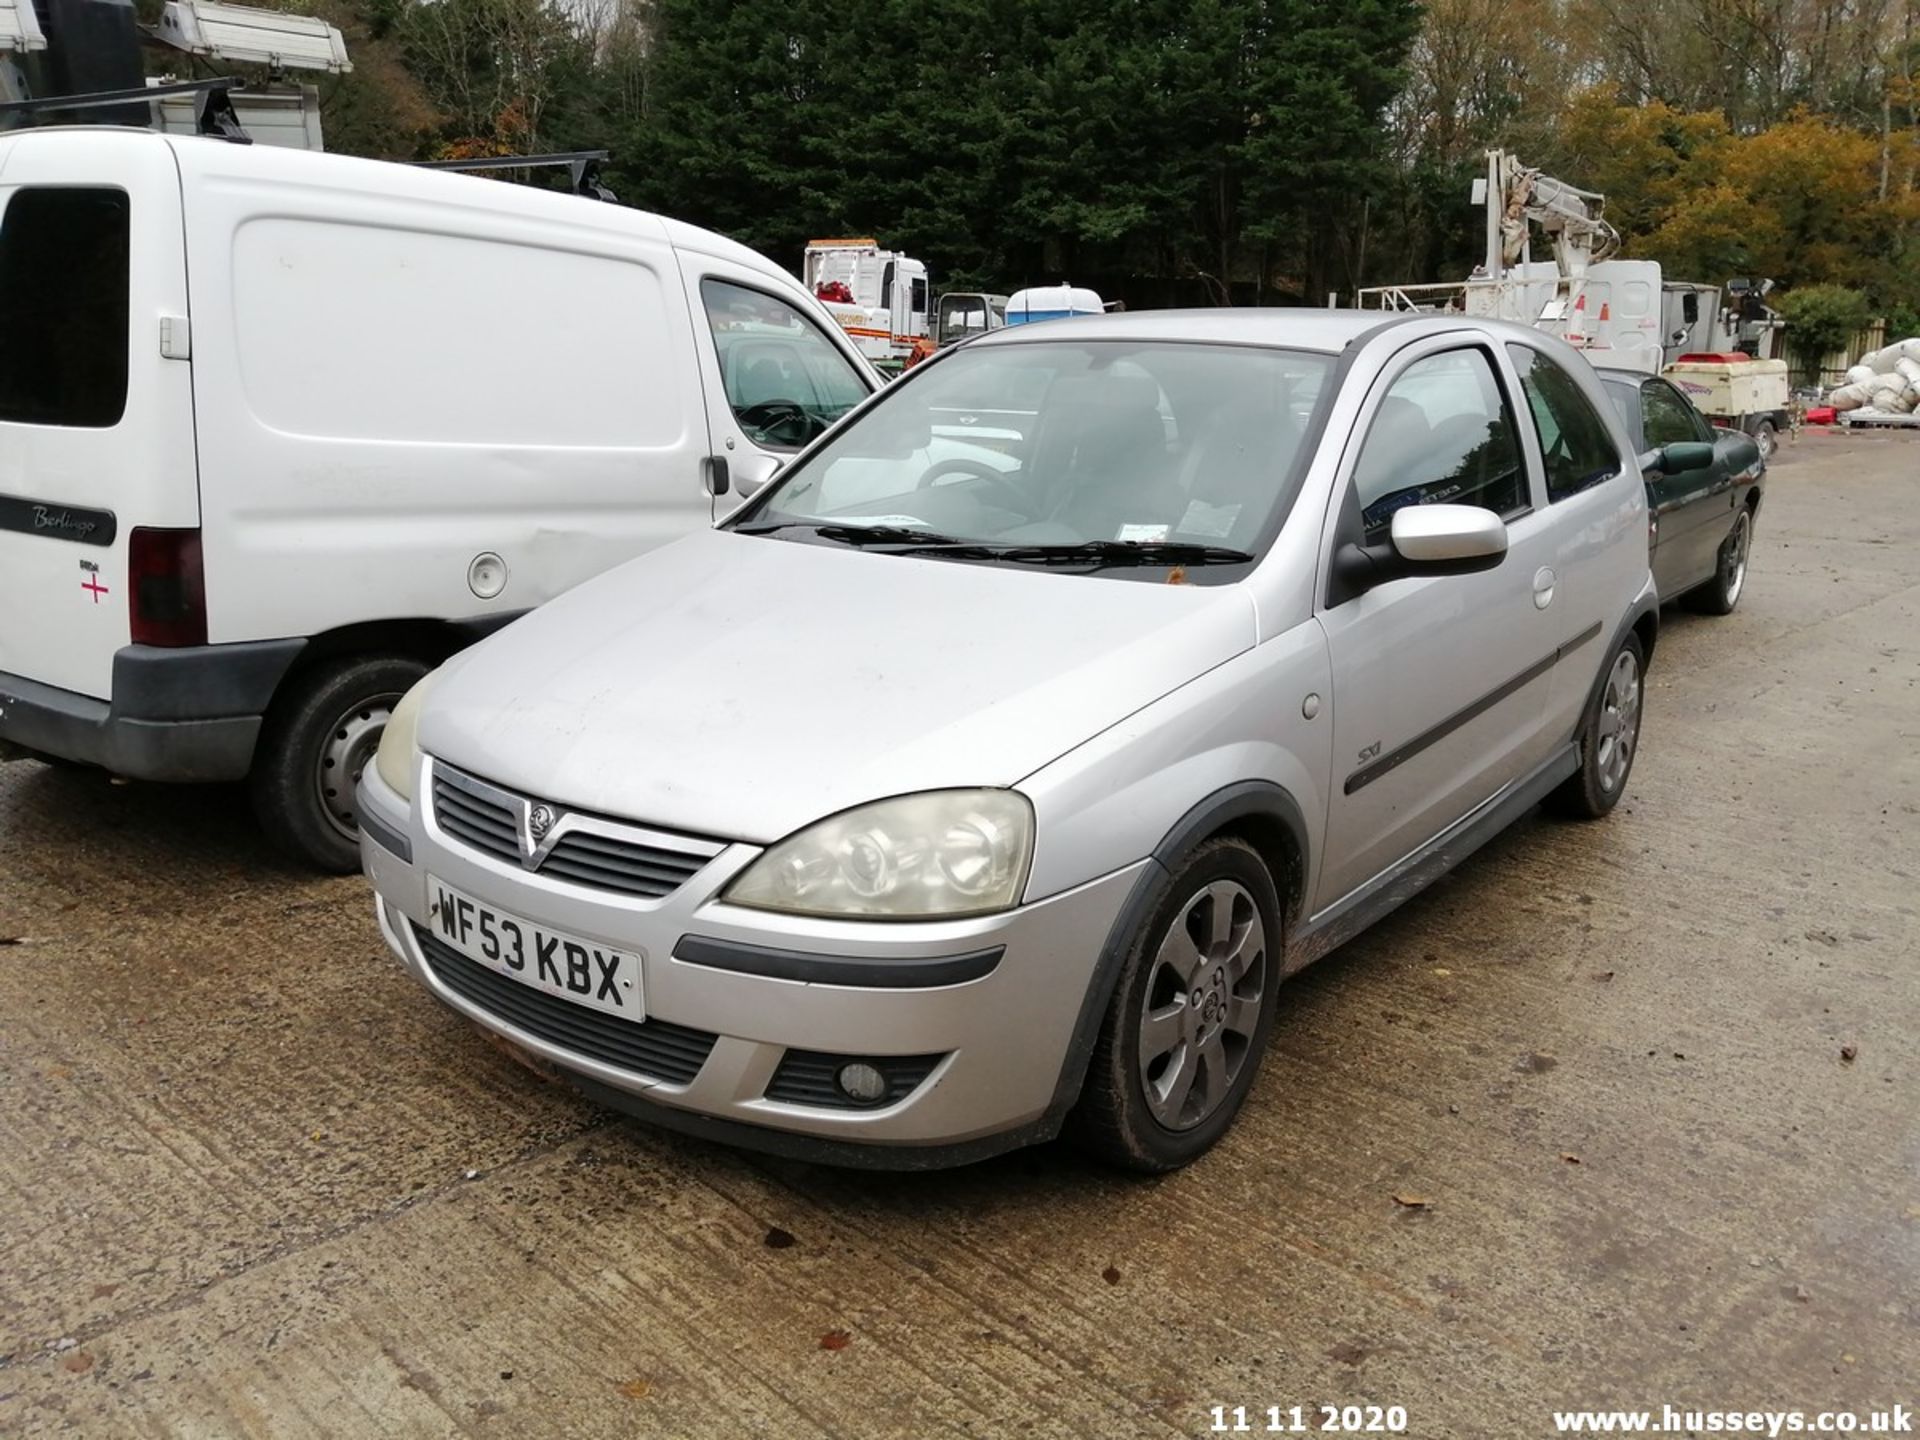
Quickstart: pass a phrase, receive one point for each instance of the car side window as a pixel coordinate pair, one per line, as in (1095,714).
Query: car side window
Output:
(1574,441)
(1443,434)
(785,381)
(1669,418)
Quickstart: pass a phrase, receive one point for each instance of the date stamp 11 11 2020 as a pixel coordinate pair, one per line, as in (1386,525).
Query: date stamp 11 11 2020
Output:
(1308,1419)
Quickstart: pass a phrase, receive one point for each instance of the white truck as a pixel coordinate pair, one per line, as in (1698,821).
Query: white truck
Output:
(85,63)
(879,296)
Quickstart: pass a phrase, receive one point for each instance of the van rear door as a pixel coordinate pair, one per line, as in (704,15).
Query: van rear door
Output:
(96,426)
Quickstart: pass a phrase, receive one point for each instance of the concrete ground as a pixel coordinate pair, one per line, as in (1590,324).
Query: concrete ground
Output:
(1657,1079)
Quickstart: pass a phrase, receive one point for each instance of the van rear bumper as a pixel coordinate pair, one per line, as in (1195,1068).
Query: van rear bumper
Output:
(188,714)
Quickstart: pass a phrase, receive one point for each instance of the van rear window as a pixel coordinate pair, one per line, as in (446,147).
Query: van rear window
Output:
(63,307)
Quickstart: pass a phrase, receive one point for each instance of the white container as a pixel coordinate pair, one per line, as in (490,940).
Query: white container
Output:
(1052,302)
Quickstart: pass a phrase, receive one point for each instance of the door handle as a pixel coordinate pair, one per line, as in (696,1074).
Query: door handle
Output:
(1543,582)
(713,472)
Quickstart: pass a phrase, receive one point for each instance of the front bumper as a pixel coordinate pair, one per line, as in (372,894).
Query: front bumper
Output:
(987,1008)
(192,713)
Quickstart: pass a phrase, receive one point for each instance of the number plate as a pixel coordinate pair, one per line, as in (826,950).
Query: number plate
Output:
(587,972)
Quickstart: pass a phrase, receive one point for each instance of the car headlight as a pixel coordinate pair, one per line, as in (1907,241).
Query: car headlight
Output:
(944,852)
(399,754)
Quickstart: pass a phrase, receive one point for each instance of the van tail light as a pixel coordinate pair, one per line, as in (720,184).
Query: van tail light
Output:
(167,588)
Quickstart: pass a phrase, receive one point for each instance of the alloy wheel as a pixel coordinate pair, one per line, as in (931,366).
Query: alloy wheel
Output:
(1201,1004)
(1738,544)
(1619,722)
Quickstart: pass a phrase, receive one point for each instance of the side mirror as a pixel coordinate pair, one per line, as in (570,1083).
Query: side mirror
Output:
(1677,458)
(1425,540)
(752,470)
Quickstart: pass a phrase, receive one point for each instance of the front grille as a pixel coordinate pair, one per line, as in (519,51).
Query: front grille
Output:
(805,1077)
(486,817)
(657,1049)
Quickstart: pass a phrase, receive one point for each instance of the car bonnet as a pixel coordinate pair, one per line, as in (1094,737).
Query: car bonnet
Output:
(742,687)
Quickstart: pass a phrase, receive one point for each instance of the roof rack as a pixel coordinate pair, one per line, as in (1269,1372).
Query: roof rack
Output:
(583,166)
(213,112)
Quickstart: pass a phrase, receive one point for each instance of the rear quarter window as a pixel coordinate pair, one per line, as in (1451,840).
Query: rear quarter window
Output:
(63,307)
(1574,441)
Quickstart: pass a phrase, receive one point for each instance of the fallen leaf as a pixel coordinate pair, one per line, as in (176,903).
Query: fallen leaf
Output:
(778,1239)
(79,1362)
(1569,1157)
(1412,1202)
(1441,970)
(637,1389)
(102,1292)
(57,1072)
(1603,975)
(1348,1352)
(1678,1056)
(1111,1275)
(835,1340)
(1177,575)
(1847,1053)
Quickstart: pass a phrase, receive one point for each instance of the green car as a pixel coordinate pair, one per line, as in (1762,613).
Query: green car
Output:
(1704,485)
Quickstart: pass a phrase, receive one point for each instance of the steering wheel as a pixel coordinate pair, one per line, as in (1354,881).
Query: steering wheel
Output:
(773,417)
(979,470)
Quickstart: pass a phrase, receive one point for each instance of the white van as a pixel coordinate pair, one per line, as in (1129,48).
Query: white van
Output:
(281,430)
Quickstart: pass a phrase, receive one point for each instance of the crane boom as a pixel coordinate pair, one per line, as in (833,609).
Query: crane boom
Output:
(1518,198)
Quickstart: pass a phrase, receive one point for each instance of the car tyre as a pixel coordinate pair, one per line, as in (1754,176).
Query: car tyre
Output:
(1609,739)
(318,737)
(1191,1013)
(1720,594)
(1766,437)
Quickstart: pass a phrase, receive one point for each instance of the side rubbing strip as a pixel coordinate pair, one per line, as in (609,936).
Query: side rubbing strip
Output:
(1394,759)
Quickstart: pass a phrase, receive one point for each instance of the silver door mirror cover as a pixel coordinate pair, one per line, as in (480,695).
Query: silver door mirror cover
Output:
(1441,534)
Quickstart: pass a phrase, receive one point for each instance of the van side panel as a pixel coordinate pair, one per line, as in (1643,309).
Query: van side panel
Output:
(79,467)
(392,383)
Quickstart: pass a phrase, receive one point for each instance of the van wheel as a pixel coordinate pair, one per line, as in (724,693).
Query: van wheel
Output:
(1764,436)
(1608,741)
(319,736)
(1190,1015)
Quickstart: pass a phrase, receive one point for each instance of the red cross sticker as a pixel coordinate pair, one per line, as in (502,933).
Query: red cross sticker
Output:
(92,582)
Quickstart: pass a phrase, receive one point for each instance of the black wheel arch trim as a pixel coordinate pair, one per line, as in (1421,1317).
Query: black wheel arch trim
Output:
(1244,799)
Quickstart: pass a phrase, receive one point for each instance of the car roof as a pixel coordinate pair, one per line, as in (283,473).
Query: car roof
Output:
(1282,327)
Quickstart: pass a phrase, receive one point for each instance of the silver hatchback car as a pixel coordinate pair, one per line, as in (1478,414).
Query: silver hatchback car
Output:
(922,811)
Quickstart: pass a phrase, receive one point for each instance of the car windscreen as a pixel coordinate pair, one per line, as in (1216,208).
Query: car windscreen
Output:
(1115,452)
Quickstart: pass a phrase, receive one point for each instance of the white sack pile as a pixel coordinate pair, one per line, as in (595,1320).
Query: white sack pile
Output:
(1887,382)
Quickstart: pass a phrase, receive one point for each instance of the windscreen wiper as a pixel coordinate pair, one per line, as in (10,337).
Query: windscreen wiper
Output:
(1099,554)
(858,535)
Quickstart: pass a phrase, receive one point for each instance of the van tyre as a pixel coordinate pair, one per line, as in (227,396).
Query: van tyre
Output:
(1720,594)
(1190,1015)
(1609,740)
(321,733)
